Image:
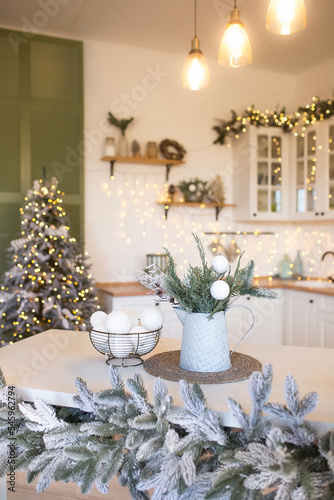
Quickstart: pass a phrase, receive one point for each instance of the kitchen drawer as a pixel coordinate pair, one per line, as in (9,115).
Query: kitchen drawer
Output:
(326,303)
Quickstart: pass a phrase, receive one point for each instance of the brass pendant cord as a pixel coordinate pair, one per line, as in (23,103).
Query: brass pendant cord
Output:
(195,18)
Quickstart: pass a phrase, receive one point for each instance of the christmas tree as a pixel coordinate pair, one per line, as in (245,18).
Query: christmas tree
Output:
(48,285)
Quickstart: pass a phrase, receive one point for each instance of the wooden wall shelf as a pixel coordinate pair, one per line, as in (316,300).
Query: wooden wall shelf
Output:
(146,161)
(217,206)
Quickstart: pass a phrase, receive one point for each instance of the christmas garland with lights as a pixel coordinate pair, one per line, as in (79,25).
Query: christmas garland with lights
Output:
(306,115)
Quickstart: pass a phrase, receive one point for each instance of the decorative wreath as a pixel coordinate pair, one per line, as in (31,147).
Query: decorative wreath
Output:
(172,150)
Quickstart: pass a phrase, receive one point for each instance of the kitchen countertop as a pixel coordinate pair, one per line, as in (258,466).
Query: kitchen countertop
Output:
(134,288)
(123,289)
(312,285)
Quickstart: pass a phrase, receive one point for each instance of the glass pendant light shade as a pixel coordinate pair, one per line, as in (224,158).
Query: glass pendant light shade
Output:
(286,16)
(195,74)
(235,49)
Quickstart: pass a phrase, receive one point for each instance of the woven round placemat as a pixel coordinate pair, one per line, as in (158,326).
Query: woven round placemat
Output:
(166,366)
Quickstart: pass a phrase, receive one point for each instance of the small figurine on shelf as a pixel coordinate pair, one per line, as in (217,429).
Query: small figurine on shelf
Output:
(216,191)
(135,149)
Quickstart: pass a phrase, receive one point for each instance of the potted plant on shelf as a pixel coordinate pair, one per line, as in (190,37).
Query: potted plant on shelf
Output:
(122,124)
(201,299)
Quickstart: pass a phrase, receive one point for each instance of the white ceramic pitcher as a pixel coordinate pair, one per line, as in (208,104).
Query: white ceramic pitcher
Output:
(205,345)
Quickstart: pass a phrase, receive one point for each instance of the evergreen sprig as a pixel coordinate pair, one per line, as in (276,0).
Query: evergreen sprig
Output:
(119,123)
(192,292)
(182,453)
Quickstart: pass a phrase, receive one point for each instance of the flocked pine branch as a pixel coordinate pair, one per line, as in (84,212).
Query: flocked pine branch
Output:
(181,453)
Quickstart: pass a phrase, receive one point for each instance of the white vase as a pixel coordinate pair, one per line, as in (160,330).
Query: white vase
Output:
(205,344)
(123,146)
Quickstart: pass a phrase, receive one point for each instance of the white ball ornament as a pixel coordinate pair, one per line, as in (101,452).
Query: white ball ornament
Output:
(138,329)
(133,316)
(220,264)
(151,318)
(99,339)
(220,290)
(118,322)
(100,328)
(97,318)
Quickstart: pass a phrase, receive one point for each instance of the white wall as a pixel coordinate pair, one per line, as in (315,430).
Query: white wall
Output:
(318,81)
(122,220)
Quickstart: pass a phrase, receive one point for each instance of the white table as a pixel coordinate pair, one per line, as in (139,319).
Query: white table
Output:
(45,366)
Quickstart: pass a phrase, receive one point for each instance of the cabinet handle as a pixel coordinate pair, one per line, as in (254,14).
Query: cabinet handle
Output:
(254,215)
(311,301)
(157,304)
(248,298)
(317,213)
(322,213)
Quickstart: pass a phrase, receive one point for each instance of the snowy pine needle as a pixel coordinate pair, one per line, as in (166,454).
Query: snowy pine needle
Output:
(181,453)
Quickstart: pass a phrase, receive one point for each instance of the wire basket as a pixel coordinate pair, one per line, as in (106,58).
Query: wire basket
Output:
(124,349)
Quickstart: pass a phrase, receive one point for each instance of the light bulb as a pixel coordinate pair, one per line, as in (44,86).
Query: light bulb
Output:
(235,49)
(195,74)
(286,16)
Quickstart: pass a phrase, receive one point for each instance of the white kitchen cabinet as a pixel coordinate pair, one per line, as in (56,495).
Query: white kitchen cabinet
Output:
(312,196)
(309,319)
(268,325)
(300,319)
(172,326)
(278,176)
(260,174)
(325,321)
(328,182)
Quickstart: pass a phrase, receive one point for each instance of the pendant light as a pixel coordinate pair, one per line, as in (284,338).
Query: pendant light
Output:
(235,49)
(195,74)
(286,16)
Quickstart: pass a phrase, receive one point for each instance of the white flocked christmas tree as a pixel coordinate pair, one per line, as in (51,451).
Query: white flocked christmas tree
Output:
(48,284)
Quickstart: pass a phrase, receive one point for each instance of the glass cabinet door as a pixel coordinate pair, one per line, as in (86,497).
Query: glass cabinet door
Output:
(331,168)
(306,172)
(269,173)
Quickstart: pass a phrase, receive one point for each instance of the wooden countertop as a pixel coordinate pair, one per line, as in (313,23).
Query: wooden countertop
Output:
(312,285)
(123,289)
(134,288)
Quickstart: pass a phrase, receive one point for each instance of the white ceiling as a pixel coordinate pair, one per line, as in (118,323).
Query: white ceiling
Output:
(168,25)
